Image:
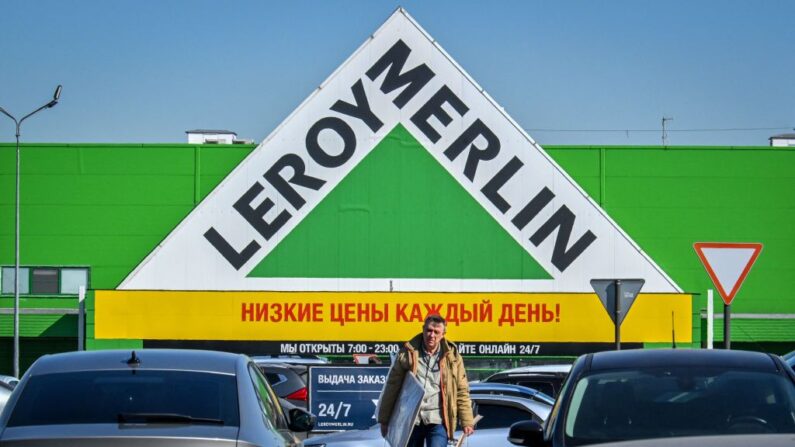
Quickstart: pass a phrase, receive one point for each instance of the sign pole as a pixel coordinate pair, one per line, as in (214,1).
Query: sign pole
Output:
(727,315)
(81,318)
(617,296)
(710,319)
(727,264)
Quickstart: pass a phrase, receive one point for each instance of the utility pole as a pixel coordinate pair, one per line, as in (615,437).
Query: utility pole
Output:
(18,124)
(664,131)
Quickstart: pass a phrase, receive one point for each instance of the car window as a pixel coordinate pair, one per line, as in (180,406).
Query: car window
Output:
(88,397)
(501,416)
(544,386)
(272,412)
(275,378)
(692,401)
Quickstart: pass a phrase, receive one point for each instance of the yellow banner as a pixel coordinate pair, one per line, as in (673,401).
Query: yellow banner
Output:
(383,316)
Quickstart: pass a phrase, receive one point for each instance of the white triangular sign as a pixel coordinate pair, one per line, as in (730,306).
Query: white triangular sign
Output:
(399,76)
(727,264)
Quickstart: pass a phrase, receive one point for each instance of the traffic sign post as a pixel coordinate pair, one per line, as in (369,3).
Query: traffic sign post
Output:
(727,326)
(616,296)
(727,264)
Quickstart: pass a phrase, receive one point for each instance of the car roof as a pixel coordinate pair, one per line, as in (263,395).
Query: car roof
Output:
(155,359)
(274,365)
(289,359)
(645,358)
(556,368)
(496,386)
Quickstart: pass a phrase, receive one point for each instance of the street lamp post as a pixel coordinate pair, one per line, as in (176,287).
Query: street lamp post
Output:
(18,124)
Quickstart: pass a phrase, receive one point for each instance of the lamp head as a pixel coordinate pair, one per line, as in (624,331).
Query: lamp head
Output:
(55,96)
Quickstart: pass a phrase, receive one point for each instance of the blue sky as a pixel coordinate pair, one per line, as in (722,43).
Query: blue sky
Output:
(146,71)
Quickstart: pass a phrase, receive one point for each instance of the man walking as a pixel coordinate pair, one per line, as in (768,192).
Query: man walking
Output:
(440,369)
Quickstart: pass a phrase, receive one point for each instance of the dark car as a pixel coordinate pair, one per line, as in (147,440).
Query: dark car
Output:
(766,440)
(148,397)
(545,378)
(288,375)
(647,394)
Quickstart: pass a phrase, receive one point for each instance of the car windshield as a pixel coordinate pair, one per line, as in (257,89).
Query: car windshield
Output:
(686,401)
(89,397)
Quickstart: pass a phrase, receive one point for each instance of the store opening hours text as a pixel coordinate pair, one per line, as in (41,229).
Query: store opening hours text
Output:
(386,348)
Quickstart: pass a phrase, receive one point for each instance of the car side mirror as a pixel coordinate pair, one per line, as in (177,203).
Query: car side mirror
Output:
(300,420)
(526,433)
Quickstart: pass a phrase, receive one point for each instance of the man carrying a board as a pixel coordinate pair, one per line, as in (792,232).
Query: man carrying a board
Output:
(439,367)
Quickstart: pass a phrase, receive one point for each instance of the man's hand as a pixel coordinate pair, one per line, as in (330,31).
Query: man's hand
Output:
(384,429)
(469,430)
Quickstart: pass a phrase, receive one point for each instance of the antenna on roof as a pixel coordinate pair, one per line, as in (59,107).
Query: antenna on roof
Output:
(133,360)
(673,331)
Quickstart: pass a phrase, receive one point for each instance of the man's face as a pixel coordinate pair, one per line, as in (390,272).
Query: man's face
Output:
(432,334)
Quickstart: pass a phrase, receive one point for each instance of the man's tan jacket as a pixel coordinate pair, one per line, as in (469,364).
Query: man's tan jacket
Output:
(454,389)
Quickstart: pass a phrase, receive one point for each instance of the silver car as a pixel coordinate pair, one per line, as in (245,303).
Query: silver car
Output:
(9,380)
(5,394)
(287,375)
(148,397)
(498,412)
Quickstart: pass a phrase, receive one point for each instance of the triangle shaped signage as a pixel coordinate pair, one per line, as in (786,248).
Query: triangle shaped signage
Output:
(623,290)
(727,264)
(399,77)
(399,232)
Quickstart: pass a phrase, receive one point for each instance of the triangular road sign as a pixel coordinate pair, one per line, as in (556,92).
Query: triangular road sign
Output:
(399,76)
(727,264)
(628,289)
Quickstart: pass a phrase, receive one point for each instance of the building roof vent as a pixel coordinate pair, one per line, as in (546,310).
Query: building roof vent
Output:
(783,140)
(212,136)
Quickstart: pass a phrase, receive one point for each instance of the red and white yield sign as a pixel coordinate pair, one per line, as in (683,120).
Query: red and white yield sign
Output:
(727,264)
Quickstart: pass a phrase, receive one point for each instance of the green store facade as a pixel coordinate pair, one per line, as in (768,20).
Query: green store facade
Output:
(104,207)
(398,188)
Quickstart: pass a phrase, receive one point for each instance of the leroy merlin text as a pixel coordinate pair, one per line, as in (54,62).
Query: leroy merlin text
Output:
(288,175)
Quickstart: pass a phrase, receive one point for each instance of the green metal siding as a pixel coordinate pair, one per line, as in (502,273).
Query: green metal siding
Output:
(668,198)
(107,206)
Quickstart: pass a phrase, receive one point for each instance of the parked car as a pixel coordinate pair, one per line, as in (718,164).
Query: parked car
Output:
(307,360)
(498,412)
(148,397)
(766,440)
(501,411)
(5,393)
(507,389)
(9,380)
(545,378)
(789,359)
(288,375)
(646,394)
